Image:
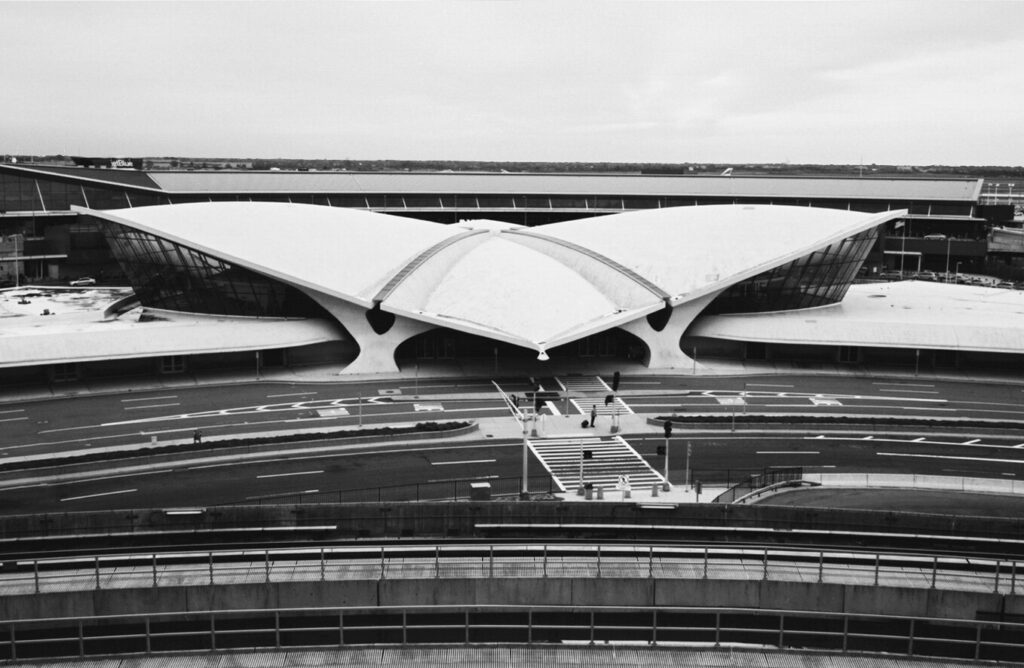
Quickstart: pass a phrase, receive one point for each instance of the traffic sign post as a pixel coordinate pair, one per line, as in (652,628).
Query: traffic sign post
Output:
(668,434)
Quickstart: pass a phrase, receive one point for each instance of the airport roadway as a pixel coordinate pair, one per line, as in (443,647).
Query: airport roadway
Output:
(58,425)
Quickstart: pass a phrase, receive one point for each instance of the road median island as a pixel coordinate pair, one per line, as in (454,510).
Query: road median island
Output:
(798,420)
(222,445)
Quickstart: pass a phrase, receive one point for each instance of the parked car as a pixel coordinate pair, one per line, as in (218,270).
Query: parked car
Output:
(85,280)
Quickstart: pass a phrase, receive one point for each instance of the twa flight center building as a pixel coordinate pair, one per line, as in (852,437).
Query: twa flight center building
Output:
(365,292)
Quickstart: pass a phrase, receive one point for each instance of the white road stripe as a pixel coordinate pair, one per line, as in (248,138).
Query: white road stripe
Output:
(465,461)
(972,442)
(91,496)
(17,410)
(788,452)
(906,384)
(169,396)
(883,389)
(767,385)
(137,408)
(291,394)
(301,491)
(283,475)
(963,459)
(13,419)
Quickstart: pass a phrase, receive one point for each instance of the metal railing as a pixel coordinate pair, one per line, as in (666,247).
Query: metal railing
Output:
(759,481)
(286,628)
(528,560)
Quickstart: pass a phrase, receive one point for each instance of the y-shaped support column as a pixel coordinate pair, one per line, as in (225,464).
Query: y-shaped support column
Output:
(376,351)
(663,351)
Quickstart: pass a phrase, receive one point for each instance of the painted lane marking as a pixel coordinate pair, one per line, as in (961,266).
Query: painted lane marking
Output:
(906,384)
(139,408)
(14,419)
(16,410)
(484,477)
(767,385)
(883,389)
(971,442)
(283,475)
(92,496)
(953,457)
(918,439)
(466,461)
(788,452)
(169,396)
(264,496)
(428,408)
(868,438)
(292,394)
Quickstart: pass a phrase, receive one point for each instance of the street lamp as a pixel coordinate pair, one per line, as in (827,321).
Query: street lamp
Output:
(948,242)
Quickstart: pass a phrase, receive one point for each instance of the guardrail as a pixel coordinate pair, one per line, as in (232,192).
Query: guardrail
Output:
(759,481)
(288,628)
(474,561)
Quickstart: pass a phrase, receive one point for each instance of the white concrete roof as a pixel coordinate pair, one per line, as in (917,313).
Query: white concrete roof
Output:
(907,314)
(86,336)
(537,287)
(690,251)
(344,252)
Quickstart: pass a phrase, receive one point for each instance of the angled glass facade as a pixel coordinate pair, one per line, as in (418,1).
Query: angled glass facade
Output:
(170,276)
(821,278)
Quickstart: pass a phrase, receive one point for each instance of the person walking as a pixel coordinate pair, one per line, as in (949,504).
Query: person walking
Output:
(593,415)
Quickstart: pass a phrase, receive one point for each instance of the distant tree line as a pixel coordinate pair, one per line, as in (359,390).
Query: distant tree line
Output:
(990,172)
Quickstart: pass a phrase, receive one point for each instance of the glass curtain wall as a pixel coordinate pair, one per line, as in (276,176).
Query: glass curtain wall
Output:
(170,276)
(821,278)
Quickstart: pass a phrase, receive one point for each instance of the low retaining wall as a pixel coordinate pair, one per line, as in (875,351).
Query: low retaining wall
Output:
(771,595)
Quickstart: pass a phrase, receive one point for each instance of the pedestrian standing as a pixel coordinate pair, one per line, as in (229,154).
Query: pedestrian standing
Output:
(593,415)
(197,437)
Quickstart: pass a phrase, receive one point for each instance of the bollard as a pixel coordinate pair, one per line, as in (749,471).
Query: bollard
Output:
(626,494)
(600,493)
(654,489)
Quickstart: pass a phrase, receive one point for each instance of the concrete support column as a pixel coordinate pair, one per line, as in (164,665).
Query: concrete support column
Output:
(376,351)
(663,351)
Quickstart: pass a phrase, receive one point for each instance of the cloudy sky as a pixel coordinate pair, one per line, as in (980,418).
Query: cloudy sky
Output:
(930,82)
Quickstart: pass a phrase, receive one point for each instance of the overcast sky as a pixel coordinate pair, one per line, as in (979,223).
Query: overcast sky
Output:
(931,82)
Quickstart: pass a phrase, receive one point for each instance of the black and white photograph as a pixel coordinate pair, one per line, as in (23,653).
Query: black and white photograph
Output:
(511,333)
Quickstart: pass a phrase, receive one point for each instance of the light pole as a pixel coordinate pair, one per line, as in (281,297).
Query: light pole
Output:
(689,447)
(579,490)
(948,242)
(956,277)
(524,488)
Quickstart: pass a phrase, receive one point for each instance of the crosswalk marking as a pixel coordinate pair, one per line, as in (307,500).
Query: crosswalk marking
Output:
(617,407)
(612,457)
(590,392)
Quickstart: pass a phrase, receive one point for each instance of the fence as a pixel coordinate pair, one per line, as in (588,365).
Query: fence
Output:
(526,625)
(530,560)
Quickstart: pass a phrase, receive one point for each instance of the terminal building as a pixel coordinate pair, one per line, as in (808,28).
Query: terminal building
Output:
(946,220)
(215,284)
